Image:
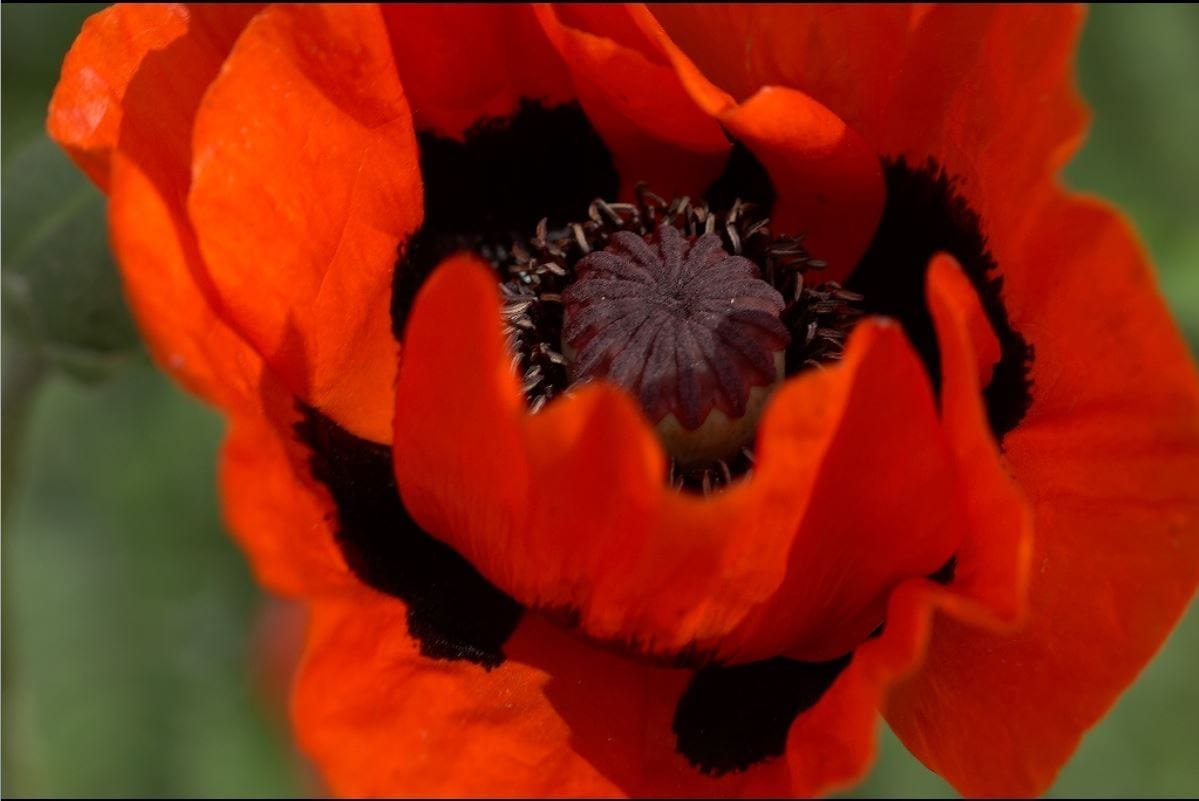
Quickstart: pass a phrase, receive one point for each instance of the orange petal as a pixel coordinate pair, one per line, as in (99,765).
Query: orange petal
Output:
(990,580)
(844,56)
(1007,71)
(827,178)
(990,567)
(499,484)
(85,111)
(667,125)
(159,262)
(271,504)
(134,77)
(451,481)
(558,718)
(402,724)
(829,182)
(636,101)
(885,504)
(983,93)
(124,109)
(562,718)
(832,745)
(460,64)
(305,181)
(986,90)
(1108,456)
(283,520)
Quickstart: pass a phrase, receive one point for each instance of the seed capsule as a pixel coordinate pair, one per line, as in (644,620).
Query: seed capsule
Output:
(687,328)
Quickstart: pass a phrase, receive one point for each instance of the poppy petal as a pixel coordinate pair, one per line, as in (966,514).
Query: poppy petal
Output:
(558,718)
(461,64)
(159,261)
(999,68)
(635,100)
(990,567)
(1108,455)
(398,720)
(652,104)
(832,745)
(829,182)
(957,82)
(124,83)
(496,483)
(123,109)
(990,576)
(299,229)
(829,744)
(845,56)
(85,111)
(281,518)
(827,179)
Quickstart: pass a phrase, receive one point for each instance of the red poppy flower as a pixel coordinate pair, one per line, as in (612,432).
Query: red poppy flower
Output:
(517,472)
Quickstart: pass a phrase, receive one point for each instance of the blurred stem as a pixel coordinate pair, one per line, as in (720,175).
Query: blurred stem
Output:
(21,377)
(23,371)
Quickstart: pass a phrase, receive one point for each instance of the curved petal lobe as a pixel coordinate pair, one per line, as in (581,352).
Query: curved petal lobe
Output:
(463,63)
(134,78)
(159,263)
(1108,457)
(568,509)
(305,181)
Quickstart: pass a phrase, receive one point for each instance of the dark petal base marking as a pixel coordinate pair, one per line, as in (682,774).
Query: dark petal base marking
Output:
(946,573)
(731,718)
(924,215)
(743,178)
(453,611)
(728,719)
(489,190)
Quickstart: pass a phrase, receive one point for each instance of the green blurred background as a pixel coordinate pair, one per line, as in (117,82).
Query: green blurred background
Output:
(129,618)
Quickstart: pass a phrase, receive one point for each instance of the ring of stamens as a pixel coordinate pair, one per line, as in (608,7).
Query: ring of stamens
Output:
(817,317)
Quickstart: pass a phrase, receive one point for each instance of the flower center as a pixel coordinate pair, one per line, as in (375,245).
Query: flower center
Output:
(687,328)
(699,315)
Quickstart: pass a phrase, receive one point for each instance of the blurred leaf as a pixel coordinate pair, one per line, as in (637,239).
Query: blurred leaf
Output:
(1137,68)
(61,291)
(127,612)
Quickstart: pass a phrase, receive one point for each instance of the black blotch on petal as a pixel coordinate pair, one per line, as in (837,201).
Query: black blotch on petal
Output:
(946,572)
(453,611)
(924,215)
(492,188)
(745,179)
(730,718)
